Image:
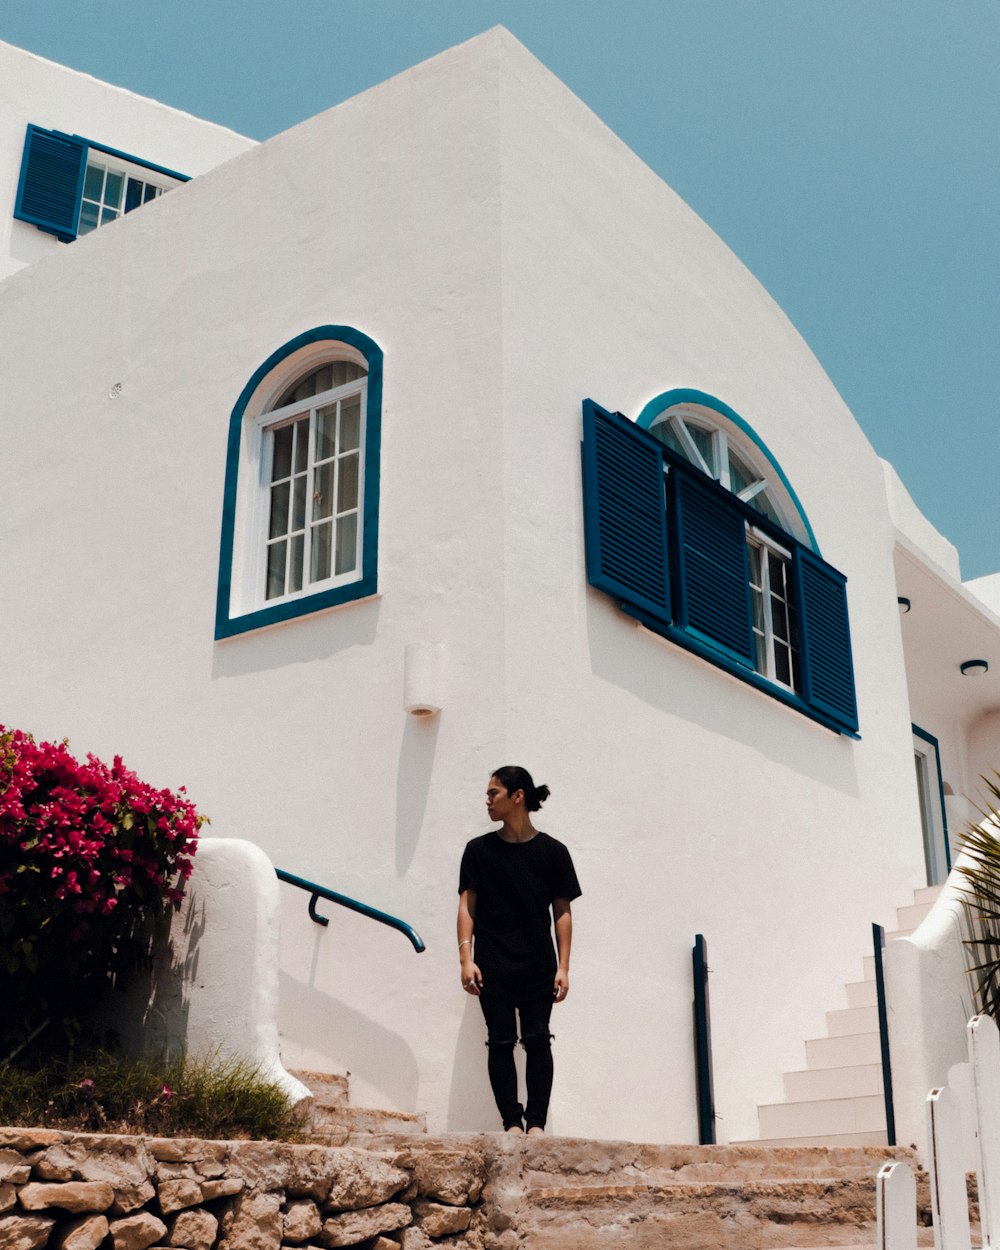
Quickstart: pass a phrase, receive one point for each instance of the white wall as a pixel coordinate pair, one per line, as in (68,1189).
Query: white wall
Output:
(33,90)
(511,257)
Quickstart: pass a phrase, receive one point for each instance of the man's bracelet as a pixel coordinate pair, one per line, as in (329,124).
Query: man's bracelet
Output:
(465,942)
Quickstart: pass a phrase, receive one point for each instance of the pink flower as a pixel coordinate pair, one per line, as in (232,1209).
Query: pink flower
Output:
(86,1084)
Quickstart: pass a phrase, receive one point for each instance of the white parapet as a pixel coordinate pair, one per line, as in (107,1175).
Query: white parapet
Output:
(213,989)
(929,1003)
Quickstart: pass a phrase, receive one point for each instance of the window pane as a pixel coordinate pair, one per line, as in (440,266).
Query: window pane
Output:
(323,491)
(301,445)
(705,443)
(326,432)
(740,474)
(667,435)
(350,423)
(298,560)
(133,194)
(108,214)
(347,496)
(150,193)
(88,218)
(113,186)
(321,540)
(275,570)
(281,465)
(779,618)
(93,182)
(347,542)
(299,502)
(279,511)
(782,664)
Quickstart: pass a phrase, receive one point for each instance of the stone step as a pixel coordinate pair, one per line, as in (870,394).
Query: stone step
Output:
(342,1125)
(843,1052)
(332,1089)
(812,1083)
(861,993)
(822,1117)
(852,1020)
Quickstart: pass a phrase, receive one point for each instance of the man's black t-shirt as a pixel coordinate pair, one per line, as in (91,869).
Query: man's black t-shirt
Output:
(515,884)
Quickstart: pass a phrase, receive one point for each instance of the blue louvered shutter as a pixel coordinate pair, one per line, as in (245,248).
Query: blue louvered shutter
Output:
(625,513)
(51,183)
(713,591)
(825,639)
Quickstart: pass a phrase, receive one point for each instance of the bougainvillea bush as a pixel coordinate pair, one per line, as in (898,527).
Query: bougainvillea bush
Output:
(90,856)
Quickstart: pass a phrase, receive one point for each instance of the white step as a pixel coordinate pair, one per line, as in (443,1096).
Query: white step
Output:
(861,994)
(927,893)
(852,1020)
(823,1139)
(910,917)
(843,1052)
(860,1080)
(822,1117)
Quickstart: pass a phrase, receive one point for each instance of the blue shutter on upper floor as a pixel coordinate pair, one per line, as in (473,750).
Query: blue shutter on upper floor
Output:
(713,591)
(625,515)
(825,639)
(51,183)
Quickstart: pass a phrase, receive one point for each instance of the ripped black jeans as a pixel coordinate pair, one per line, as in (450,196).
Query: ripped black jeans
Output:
(501,1025)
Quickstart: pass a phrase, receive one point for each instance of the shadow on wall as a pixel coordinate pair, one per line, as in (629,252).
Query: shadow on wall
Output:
(316,637)
(649,667)
(152,1016)
(471,1108)
(348,1041)
(413,783)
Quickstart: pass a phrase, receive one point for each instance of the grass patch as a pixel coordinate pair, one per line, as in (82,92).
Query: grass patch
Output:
(105,1093)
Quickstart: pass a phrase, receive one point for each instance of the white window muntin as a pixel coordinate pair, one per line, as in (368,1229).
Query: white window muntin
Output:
(265,426)
(774,625)
(711,448)
(106,189)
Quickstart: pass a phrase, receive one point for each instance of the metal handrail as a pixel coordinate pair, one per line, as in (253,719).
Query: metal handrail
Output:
(878,944)
(320,891)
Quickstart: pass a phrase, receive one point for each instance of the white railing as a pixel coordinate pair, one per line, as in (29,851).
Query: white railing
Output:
(895,1188)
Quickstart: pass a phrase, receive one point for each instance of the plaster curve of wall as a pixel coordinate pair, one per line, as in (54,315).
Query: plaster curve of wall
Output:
(213,990)
(929,1003)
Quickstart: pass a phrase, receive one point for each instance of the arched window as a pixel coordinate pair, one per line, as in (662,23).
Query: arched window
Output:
(693,527)
(300,516)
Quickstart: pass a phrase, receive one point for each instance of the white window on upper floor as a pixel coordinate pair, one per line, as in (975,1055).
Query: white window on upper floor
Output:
(70,185)
(113,187)
(300,510)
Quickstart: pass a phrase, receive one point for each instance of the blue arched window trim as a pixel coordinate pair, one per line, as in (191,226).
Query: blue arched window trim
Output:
(687,395)
(226,622)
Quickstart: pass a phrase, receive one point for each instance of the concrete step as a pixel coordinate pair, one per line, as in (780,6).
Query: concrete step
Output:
(846,1051)
(910,917)
(927,893)
(838,1140)
(864,1079)
(861,993)
(822,1117)
(852,1020)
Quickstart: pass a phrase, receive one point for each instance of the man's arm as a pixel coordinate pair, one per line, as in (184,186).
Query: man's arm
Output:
(563,914)
(472,978)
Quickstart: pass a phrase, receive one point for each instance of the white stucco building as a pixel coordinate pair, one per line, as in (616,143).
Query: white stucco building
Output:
(360,352)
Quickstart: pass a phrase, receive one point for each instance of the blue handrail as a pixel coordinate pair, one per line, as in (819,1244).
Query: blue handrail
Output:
(320,891)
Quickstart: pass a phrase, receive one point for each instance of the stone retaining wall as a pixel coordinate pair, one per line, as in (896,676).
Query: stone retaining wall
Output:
(75,1191)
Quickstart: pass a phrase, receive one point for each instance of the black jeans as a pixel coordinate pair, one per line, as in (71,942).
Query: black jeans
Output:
(536,1040)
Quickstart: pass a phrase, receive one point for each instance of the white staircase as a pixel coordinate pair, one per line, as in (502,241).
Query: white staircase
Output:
(837,1099)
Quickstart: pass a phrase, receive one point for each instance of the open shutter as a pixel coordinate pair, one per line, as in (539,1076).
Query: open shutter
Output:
(713,595)
(625,513)
(51,183)
(825,640)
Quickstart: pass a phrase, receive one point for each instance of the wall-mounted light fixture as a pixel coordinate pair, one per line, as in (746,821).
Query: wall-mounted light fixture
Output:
(423,663)
(904,604)
(975,668)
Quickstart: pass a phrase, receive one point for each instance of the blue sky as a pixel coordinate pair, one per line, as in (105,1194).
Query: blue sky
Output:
(847,150)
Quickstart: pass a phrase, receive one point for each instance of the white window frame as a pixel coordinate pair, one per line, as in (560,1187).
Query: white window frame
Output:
(265,424)
(249,558)
(765,543)
(927,767)
(681,416)
(127,169)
